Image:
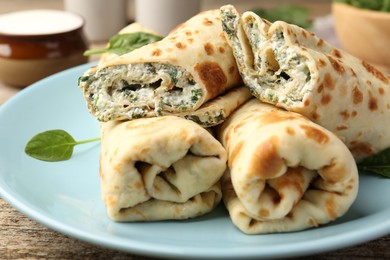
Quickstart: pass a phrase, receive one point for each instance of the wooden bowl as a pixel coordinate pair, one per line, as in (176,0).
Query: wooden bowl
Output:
(37,43)
(364,33)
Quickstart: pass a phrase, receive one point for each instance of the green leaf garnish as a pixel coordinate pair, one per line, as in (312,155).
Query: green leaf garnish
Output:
(378,163)
(293,14)
(376,5)
(53,145)
(127,42)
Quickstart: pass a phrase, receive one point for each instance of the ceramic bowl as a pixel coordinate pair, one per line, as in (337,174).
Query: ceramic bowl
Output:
(37,43)
(364,33)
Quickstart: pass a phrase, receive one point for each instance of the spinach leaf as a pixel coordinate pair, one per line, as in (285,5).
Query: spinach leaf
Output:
(293,14)
(378,163)
(376,5)
(127,42)
(53,145)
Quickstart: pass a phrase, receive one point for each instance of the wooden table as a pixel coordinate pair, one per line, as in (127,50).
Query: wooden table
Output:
(23,238)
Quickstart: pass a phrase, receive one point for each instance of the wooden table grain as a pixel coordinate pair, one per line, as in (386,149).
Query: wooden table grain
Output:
(23,238)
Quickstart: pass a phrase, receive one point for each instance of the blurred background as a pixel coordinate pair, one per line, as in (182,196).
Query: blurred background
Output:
(105,18)
(317,8)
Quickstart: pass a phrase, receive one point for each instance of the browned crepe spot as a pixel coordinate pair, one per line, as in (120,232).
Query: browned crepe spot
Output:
(315,134)
(110,201)
(314,114)
(207,22)
(266,161)
(357,95)
(306,103)
(212,76)
(341,127)
(333,172)
(266,21)
(320,88)
(330,207)
(293,179)
(345,114)
(222,36)
(208,47)
(325,99)
(321,63)
(190,40)
(156,52)
(358,148)
(290,130)
(320,43)
(328,82)
(337,53)
(372,102)
(188,33)
(276,117)
(221,49)
(336,65)
(353,72)
(379,75)
(304,34)
(181,45)
(354,113)
(381,90)
(264,213)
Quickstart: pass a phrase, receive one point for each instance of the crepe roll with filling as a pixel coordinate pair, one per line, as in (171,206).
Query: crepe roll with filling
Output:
(159,168)
(292,68)
(286,173)
(175,76)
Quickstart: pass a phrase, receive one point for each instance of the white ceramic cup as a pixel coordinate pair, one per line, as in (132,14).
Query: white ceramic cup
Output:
(164,15)
(103,18)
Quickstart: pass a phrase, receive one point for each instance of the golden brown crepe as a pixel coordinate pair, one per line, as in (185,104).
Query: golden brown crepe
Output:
(289,67)
(286,173)
(175,76)
(159,168)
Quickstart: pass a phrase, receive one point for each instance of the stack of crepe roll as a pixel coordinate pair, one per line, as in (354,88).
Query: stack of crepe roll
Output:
(181,132)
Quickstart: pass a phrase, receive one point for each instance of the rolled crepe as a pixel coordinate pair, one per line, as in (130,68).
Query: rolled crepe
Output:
(286,173)
(175,76)
(159,168)
(289,67)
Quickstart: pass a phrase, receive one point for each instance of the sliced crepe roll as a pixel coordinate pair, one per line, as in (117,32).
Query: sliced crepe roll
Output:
(286,173)
(159,168)
(289,67)
(174,76)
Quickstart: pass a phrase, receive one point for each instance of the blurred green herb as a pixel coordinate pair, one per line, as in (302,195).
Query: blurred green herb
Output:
(53,145)
(377,164)
(376,5)
(292,14)
(127,42)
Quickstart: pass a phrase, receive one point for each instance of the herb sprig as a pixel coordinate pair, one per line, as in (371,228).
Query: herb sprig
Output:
(53,145)
(127,42)
(294,14)
(377,164)
(376,5)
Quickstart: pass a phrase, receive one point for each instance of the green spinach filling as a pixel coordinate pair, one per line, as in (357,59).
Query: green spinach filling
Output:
(138,88)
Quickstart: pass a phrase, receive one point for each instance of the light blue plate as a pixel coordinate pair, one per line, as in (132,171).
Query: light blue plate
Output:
(65,196)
